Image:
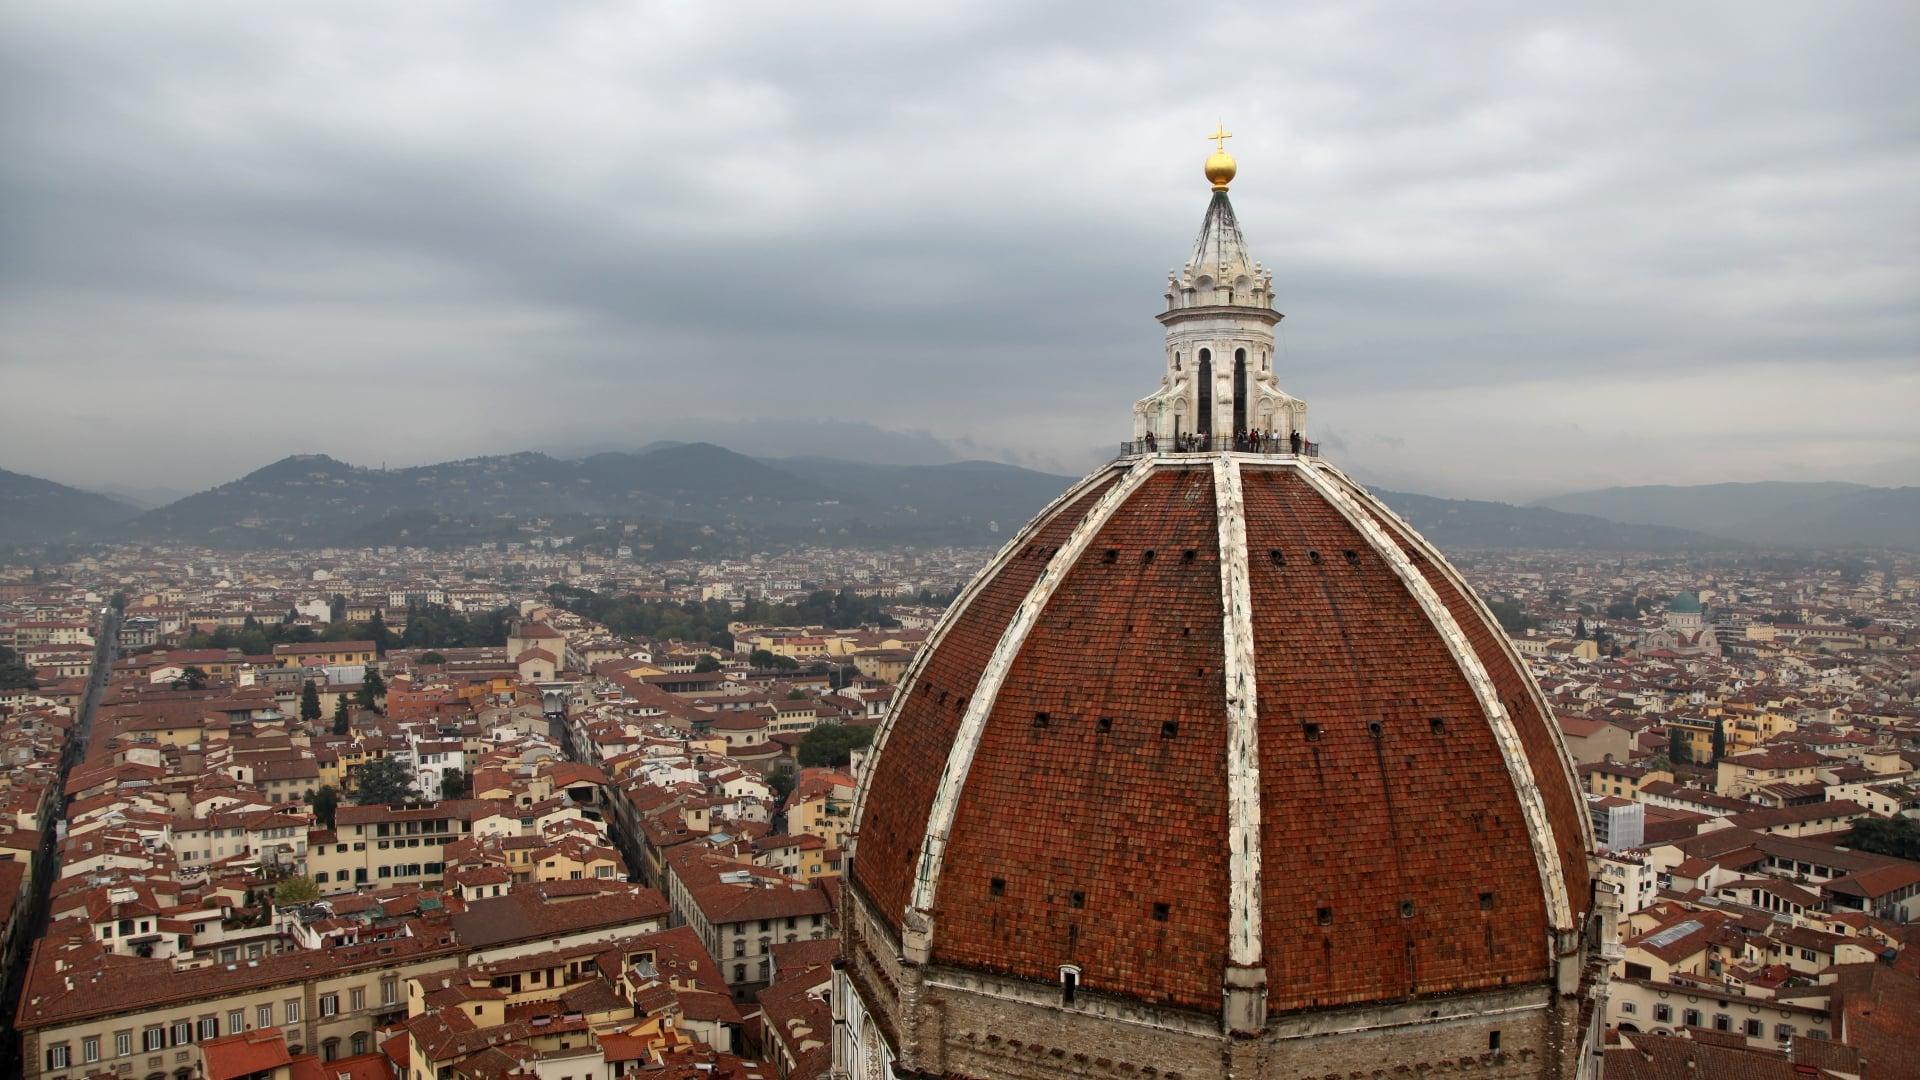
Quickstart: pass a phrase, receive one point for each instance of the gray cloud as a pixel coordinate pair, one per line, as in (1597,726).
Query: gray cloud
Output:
(1521,249)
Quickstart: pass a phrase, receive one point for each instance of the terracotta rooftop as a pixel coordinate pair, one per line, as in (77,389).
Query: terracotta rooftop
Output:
(1090,824)
(249,1052)
(550,909)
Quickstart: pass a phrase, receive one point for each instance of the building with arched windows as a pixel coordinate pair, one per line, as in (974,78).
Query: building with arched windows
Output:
(1218,769)
(1220,318)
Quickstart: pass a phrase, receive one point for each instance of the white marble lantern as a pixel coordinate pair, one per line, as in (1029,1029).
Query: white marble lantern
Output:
(1219,378)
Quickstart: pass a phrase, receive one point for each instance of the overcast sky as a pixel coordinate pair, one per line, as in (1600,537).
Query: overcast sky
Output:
(1521,250)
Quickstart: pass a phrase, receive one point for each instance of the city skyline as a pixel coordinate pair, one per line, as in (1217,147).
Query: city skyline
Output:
(1511,264)
(566,593)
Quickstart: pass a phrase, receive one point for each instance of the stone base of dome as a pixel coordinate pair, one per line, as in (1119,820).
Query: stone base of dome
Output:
(934,1020)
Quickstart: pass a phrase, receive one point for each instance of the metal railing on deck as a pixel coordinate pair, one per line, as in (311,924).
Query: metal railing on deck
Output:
(1203,444)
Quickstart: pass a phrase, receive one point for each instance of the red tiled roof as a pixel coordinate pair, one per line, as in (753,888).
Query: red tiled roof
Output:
(926,721)
(557,908)
(1668,1057)
(1103,846)
(244,1054)
(362,1067)
(1878,1008)
(1533,724)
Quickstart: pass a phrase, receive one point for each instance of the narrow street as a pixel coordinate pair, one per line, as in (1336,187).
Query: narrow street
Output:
(46,866)
(629,848)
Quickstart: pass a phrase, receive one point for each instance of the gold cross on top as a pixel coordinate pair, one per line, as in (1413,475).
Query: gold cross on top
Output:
(1220,136)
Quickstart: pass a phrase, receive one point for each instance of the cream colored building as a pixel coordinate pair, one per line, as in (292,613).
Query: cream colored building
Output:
(822,805)
(329,1003)
(1743,773)
(384,845)
(1655,1006)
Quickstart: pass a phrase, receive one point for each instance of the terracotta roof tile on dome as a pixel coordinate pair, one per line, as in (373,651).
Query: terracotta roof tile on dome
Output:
(1414,813)
(1533,722)
(926,720)
(1416,819)
(1139,644)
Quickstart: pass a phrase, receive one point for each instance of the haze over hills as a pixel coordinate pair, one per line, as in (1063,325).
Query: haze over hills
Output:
(141,498)
(318,500)
(982,489)
(1785,514)
(681,497)
(326,501)
(769,437)
(1473,523)
(34,511)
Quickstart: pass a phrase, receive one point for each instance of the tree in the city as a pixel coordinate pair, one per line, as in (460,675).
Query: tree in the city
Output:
(1898,837)
(832,745)
(325,802)
(383,781)
(782,780)
(14,672)
(342,718)
(372,689)
(295,890)
(309,701)
(1512,615)
(191,678)
(706,664)
(453,784)
(377,630)
(1677,747)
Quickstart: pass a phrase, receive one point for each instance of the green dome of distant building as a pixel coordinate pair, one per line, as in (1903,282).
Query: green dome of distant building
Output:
(1684,604)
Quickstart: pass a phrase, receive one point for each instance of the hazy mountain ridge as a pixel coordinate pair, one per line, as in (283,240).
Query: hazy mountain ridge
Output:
(34,511)
(315,499)
(1777,513)
(318,500)
(984,490)
(684,488)
(1473,523)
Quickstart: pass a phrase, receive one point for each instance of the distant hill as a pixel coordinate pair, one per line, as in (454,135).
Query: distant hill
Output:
(1472,523)
(315,500)
(1874,517)
(676,498)
(982,491)
(35,511)
(1772,513)
(140,498)
(1713,508)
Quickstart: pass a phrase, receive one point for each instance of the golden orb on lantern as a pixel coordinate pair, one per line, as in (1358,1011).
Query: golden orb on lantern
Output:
(1220,169)
(1220,166)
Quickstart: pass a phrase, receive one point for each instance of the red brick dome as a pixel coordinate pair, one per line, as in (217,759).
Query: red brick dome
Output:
(1224,715)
